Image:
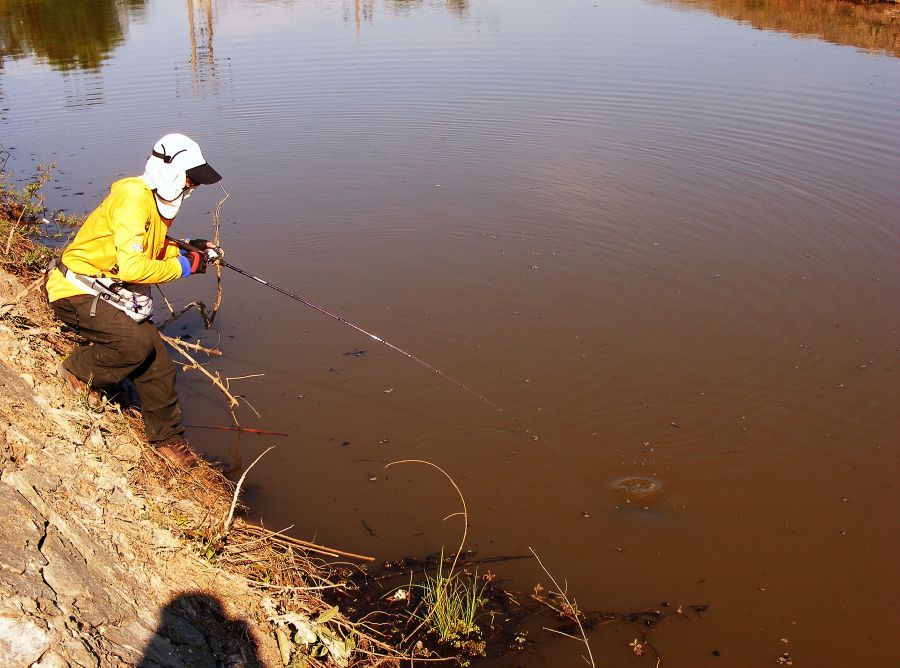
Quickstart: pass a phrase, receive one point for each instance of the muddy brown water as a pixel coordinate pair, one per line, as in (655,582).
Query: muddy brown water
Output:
(662,237)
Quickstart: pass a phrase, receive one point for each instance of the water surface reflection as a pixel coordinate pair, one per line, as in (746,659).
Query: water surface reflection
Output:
(67,35)
(873,27)
(458,7)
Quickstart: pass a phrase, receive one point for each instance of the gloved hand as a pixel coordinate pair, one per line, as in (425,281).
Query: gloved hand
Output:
(199,244)
(197,261)
(211,251)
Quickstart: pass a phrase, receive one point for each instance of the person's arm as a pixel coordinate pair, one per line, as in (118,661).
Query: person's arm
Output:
(129,218)
(170,250)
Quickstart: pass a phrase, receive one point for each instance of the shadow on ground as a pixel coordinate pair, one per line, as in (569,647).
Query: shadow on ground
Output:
(195,632)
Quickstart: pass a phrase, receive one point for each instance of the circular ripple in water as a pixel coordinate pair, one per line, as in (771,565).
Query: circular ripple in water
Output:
(638,489)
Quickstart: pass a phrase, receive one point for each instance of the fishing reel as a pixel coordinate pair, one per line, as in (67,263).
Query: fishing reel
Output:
(215,254)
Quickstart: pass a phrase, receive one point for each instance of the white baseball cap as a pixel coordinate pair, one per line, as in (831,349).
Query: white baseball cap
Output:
(181,154)
(174,158)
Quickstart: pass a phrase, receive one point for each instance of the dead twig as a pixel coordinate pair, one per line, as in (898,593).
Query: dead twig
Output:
(208,315)
(217,222)
(547,603)
(201,308)
(571,604)
(290,541)
(178,345)
(226,527)
(248,430)
(562,633)
(200,349)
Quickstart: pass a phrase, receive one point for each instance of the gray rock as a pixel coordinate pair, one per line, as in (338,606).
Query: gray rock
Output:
(52,660)
(21,533)
(22,642)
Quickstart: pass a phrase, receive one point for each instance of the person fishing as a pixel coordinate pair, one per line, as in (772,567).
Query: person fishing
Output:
(101,288)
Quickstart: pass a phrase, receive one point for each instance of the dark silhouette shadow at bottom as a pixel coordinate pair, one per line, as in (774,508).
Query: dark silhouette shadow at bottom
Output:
(195,632)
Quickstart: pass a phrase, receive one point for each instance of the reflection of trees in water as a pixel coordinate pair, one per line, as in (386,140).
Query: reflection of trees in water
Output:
(201,32)
(81,35)
(363,10)
(67,34)
(870,27)
(459,7)
(404,5)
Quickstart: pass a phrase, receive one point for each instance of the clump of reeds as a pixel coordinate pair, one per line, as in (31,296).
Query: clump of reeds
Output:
(451,605)
(452,602)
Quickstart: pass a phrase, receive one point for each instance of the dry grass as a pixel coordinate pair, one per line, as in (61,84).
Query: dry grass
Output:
(195,505)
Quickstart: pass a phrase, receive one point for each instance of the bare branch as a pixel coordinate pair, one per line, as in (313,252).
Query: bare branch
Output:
(237,490)
(194,364)
(571,605)
(217,224)
(201,349)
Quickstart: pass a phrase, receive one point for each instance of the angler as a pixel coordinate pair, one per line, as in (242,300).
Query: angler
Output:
(101,287)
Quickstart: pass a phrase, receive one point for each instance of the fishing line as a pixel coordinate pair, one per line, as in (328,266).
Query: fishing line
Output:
(216,258)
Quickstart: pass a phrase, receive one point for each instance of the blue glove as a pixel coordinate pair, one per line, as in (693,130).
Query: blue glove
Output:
(192,262)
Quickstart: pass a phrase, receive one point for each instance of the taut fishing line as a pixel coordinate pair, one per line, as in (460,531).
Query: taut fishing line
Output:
(215,257)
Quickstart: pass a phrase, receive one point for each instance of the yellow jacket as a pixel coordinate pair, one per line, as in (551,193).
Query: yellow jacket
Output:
(124,238)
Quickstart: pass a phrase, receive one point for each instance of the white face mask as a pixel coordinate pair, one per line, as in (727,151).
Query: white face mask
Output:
(168,209)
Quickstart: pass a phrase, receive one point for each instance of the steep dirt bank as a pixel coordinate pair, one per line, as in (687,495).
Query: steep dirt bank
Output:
(87,577)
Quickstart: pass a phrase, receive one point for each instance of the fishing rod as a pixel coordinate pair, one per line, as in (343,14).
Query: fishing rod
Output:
(216,256)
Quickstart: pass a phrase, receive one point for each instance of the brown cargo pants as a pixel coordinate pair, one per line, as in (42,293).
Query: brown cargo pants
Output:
(121,348)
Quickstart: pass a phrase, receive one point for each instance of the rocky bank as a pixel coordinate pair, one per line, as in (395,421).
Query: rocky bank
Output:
(88,577)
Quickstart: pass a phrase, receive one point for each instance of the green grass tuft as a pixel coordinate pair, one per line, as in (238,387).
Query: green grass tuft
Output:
(451,606)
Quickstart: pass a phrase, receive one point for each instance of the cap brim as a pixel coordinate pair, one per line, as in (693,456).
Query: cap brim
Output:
(203,174)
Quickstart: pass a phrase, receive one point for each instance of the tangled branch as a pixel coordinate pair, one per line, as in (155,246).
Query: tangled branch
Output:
(208,315)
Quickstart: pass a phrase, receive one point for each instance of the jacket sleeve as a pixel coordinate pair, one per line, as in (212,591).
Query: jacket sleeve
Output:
(170,250)
(128,219)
